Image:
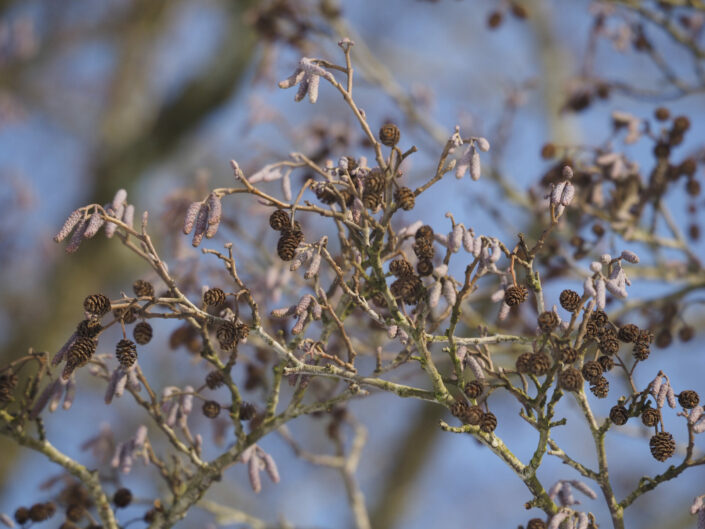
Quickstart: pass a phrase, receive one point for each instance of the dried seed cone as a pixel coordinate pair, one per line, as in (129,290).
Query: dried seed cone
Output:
(143,289)
(474,415)
(408,288)
(424,267)
(126,353)
(641,351)
(41,511)
(97,305)
(609,345)
(226,334)
(247,411)
(279,220)
(606,362)
(570,300)
(405,198)
(214,297)
(591,370)
(599,317)
(374,182)
(515,294)
(459,408)
(288,243)
(600,387)
(242,331)
(215,379)
(75,512)
(79,353)
(568,355)
(400,267)
(570,379)
(89,328)
(127,315)
(591,330)
(547,321)
(8,383)
(424,232)
(488,423)
(662,446)
(536,523)
(423,248)
(122,497)
(142,333)
(619,415)
(688,399)
(650,417)
(474,389)
(211,409)
(389,134)
(523,362)
(21,515)
(628,333)
(539,364)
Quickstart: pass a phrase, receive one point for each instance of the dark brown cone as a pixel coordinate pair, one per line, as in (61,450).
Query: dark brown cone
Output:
(424,267)
(686,333)
(536,523)
(570,379)
(609,345)
(247,411)
(21,515)
(662,446)
(242,331)
(374,182)
(641,351)
(226,334)
(514,295)
(143,289)
(650,417)
(211,409)
(424,232)
(400,267)
(606,362)
(142,333)
(688,399)
(215,379)
(288,243)
(619,415)
(599,317)
(459,408)
(389,134)
(89,328)
(97,305)
(126,353)
(591,329)
(548,321)
(628,333)
(591,370)
(408,288)
(568,355)
(424,249)
(214,297)
(474,389)
(75,512)
(127,315)
(473,415)
(122,497)
(279,220)
(664,338)
(488,423)
(405,198)
(570,300)
(540,363)
(523,362)
(600,387)
(79,354)
(41,511)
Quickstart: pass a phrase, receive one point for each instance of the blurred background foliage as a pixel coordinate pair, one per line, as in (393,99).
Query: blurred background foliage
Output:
(157,96)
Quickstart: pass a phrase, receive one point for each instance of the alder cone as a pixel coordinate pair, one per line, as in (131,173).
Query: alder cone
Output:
(122,497)
(570,379)
(126,353)
(662,446)
(89,328)
(688,399)
(515,295)
(142,333)
(424,232)
(97,305)
(389,134)
(523,362)
(288,243)
(568,355)
(540,363)
(600,387)
(423,248)
(279,220)
(591,370)
(214,297)
(628,333)
(474,389)
(548,321)
(650,417)
(215,379)
(143,289)
(473,415)
(619,415)
(400,267)
(488,423)
(405,198)
(570,300)
(606,362)
(424,267)
(211,409)
(536,523)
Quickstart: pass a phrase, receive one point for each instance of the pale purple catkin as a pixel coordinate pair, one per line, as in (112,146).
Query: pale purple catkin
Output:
(468,241)
(119,199)
(449,292)
(497,296)
(121,384)
(68,226)
(695,414)
(77,237)
(461,352)
(301,257)
(567,194)
(215,210)
(630,257)
(294,79)
(313,84)
(253,468)
(588,288)
(300,322)
(111,227)
(475,167)
(270,467)
(455,238)
(699,427)
(132,379)
(475,367)
(56,395)
(69,394)
(661,399)
(553,491)
(557,192)
(557,519)
(316,310)
(286,186)
(596,266)
(565,495)
(582,487)
(671,397)
(583,521)
(283,313)
(434,296)
(190,218)
(128,217)
(200,226)
(600,293)
(392,331)
(94,224)
(187,401)
(140,436)
(477,247)
(303,304)
(61,353)
(616,289)
(42,401)
(697,504)
(656,386)
(6,520)
(503,312)
(303,90)
(482,144)
(313,267)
